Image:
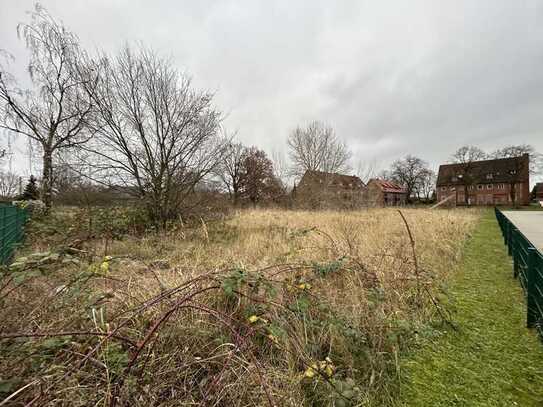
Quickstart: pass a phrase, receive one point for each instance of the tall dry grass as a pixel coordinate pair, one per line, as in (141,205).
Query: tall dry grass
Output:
(268,307)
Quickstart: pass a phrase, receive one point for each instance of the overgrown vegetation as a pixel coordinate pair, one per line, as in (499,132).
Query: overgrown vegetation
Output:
(264,308)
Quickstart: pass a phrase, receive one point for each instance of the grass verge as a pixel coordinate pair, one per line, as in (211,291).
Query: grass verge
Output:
(492,360)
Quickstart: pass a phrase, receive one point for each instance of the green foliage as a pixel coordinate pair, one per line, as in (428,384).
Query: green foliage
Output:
(9,385)
(301,232)
(31,191)
(233,282)
(253,282)
(36,208)
(323,269)
(37,264)
(115,358)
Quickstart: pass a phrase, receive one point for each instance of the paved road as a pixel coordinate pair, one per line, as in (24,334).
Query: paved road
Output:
(530,223)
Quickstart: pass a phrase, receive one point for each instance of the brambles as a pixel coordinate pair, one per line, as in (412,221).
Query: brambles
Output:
(267,308)
(33,206)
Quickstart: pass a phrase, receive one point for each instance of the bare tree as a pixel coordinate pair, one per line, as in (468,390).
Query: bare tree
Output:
(9,184)
(54,111)
(282,170)
(425,188)
(409,172)
(385,175)
(317,148)
(258,180)
(365,170)
(468,154)
(533,165)
(465,156)
(230,169)
(155,134)
(536,158)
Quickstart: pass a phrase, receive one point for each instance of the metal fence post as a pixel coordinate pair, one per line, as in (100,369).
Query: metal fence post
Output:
(531,289)
(514,250)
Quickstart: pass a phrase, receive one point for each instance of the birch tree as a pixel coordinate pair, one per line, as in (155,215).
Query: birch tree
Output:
(53,112)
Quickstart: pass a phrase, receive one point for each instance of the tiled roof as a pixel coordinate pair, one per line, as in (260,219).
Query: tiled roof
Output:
(388,186)
(504,170)
(332,179)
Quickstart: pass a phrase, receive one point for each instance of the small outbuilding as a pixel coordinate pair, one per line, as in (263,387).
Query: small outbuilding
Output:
(385,193)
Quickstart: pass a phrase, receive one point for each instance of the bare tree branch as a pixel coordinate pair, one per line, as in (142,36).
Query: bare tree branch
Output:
(317,148)
(53,113)
(155,134)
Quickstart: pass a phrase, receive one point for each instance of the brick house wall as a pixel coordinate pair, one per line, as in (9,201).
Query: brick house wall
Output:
(485,194)
(491,182)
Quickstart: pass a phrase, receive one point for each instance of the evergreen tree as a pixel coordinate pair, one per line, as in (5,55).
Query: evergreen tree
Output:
(31,190)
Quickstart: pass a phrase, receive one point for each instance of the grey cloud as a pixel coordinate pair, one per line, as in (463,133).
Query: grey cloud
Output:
(419,77)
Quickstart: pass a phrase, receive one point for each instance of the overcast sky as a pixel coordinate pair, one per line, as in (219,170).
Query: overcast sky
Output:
(392,77)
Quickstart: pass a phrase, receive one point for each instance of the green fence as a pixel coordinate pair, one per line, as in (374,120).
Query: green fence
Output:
(12,221)
(527,267)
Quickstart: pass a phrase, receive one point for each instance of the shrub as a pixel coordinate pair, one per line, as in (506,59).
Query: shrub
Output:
(114,222)
(34,206)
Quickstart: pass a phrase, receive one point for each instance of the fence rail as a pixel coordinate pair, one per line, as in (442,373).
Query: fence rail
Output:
(12,220)
(527,267)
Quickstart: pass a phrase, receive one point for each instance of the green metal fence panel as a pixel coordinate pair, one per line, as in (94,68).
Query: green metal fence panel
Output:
(527,267)
(12,221)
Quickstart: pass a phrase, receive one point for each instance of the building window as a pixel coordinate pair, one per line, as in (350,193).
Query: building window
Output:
(443,188)
(489,176)
(479,186)
(489,186)
(454,179)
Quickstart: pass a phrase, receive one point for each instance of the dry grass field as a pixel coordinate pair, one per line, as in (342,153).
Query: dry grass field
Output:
(265,307)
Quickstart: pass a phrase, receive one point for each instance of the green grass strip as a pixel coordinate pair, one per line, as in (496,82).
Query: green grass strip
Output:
(493,359)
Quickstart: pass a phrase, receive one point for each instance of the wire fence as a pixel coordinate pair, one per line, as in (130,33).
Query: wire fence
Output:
(527,267)
(12,221)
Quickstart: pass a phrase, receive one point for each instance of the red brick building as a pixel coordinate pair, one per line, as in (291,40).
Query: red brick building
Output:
(489,182)
(385,193)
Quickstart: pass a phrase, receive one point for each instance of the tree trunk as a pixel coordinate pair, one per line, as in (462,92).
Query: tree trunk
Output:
(47,177)
(235,194)
(513,194)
